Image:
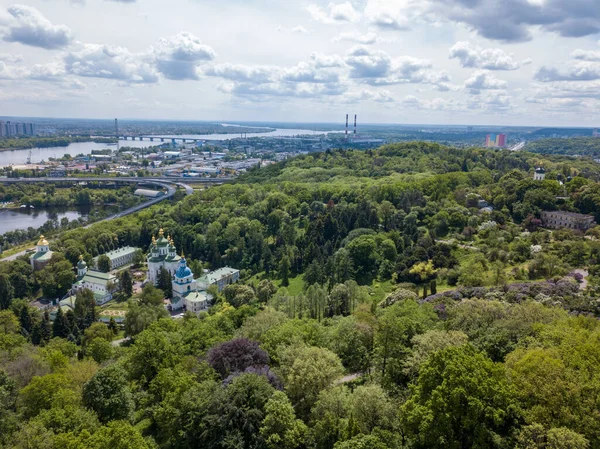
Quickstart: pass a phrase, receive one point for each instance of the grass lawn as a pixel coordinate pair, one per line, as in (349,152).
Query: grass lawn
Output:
(296,285)
(18,249)
(114,305)
(379,290)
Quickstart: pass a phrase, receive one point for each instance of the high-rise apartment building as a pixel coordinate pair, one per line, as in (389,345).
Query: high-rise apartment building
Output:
(16,129)
(495,140)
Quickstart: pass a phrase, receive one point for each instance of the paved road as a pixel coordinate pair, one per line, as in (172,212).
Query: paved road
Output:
(14,256)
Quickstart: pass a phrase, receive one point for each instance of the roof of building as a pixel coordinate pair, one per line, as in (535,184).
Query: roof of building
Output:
(183,271)
(42,241)
(115,254)
(197,296)
(81,264)
(217,275)
(540,170)
(97,277)
(42,257)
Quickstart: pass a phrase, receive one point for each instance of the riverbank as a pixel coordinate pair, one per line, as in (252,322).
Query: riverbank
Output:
(28,143)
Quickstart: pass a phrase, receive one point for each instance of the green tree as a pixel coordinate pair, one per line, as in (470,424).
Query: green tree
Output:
(165,282)
(265,290)
(45,392)
(306,371)
(126,284)
(284,271)
(6,292)
(141,315)
(396,326)
(352,340)
(362,442)
(108,394)
(535,436)
(461,400)
(151,296)
(116,435)
(424,270)
(238,294)
(85,309)
(280,429)
(99,349)
(429,343)
(103,263)
(372,408)
(61,327)
(330,417)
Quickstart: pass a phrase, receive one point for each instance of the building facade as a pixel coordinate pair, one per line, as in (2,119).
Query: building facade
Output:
(15,129)
(539,174)
(221,278)
(42,254)
(101,284)
(162,254)
(495,140)
(567,220)
(120,257)
(185,291)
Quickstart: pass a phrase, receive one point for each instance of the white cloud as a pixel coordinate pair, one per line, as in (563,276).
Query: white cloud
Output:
(177,57)
(395,14)
(300,30)
(103,61)
(356,37)
(335,13)
(367,63)
(29,27)
(12,58)
(320,60)
(10,72)
(243,73)
(378,68)
(482,80)
(577,71)
(586,55)
(476,57)
(47,72)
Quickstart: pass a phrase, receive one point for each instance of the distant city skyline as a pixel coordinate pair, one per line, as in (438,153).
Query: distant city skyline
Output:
(429,62)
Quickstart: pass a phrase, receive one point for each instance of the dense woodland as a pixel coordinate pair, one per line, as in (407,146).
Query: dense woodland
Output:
(574,146)
(24,143)
(379,307)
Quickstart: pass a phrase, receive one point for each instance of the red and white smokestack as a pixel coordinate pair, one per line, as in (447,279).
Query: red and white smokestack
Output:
(355,124)
(346,125)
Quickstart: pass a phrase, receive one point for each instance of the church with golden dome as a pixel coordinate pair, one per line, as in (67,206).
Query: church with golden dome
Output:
(162,254)
(42,254)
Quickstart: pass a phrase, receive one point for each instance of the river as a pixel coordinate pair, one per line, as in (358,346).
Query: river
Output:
(23,218)
(43,154)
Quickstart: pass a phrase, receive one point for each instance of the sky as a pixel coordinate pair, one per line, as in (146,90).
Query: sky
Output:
(508,62)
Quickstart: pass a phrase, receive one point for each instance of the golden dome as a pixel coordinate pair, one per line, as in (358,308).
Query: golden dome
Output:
(154,240)
(42,241)
(161,232)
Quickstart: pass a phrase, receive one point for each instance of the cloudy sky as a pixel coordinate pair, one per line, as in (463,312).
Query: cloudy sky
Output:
(508,62)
